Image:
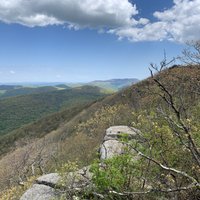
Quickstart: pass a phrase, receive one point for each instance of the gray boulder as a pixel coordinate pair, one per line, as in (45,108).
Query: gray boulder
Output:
(44,188)
(112,145)
(39,192)
(115,132)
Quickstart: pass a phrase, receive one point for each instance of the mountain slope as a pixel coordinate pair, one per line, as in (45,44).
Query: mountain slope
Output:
(77,138)
(119,106)
(38,129)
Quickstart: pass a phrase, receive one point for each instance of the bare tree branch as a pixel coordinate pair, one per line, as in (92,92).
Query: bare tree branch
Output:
(195,183)
(168,98)
(191,55)
(189,187)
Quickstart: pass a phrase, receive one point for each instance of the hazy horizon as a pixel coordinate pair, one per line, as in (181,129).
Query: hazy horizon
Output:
(62,82)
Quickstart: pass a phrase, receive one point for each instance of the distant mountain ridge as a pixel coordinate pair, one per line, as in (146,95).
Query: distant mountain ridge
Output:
(107,86)
(9,87)
(18,91)
(110,85)
(117,80)
(114,84)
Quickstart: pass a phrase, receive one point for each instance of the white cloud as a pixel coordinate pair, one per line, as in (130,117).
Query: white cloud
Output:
(76,13)
(178,23)
(12,72)
(150,32)
(182,21)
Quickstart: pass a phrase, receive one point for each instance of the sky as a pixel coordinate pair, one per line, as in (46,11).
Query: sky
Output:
(85,40)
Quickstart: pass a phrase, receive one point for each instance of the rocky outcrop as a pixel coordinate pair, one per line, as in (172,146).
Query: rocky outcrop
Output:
(48,186)
(40,192)
(43,189)
(112,144)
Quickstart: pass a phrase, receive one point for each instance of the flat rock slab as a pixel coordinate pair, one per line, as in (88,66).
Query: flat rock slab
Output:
(39,192)
(114,132)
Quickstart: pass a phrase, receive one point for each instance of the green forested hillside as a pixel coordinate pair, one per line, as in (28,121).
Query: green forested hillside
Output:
(39,128)
(20,110)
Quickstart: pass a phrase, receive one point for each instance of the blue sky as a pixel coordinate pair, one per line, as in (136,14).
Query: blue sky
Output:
(56,47)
